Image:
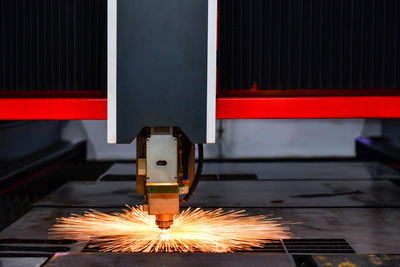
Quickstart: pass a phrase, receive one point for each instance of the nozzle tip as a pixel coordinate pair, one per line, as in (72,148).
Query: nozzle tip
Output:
(164,225)
(164,222)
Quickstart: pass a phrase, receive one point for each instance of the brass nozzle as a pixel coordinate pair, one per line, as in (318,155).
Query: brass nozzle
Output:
(164,221)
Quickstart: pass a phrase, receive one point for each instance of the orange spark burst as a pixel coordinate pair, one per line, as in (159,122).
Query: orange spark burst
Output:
(193,230)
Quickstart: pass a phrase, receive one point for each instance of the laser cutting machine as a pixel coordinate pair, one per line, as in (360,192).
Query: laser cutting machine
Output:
(162,89)
(153,70)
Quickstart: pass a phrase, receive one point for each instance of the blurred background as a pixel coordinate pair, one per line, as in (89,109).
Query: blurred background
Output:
(247,139)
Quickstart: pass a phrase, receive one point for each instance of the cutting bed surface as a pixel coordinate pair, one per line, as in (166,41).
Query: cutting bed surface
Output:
(335,218)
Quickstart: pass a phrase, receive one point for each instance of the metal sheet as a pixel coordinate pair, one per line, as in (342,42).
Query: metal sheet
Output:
(325,193)
(173,260)
(36,223)
(368,230)
(292,170)
(286,170)
(358,260)
(296,193)
(22,261)
(93,194)
(124,169)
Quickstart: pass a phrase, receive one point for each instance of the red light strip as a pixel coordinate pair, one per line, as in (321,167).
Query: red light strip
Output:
(227,108)
(308,107)
(53,109)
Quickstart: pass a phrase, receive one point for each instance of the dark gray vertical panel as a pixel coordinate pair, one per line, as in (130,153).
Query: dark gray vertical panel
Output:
(162,66)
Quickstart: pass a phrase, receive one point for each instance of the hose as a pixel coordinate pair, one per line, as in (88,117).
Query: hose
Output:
(197,176)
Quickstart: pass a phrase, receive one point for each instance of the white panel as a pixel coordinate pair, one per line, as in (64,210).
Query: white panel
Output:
(246,139)
(112,72)
(212,69)
(161,148)
(98,149)
(287,138)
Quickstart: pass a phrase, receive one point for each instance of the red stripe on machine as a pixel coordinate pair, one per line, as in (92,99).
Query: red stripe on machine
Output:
(227,108)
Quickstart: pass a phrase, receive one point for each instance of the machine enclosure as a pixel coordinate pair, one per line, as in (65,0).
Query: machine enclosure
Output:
(161,67)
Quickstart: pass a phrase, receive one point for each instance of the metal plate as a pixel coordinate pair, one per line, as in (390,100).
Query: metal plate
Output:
(173,260)
(120,169)
(303,170)
(296,193)
(367,230)
(273,246)
(286,170)
(22,261)
(358,260)
(93,194)
(316,246)
(36,224)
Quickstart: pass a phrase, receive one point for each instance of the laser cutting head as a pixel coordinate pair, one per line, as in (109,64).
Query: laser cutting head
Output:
(147,87)
(165,170)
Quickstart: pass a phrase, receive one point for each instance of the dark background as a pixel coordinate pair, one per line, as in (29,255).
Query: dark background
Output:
(60,45)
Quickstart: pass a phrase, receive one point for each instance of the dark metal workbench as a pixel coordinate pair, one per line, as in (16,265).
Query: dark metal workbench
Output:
(350,202)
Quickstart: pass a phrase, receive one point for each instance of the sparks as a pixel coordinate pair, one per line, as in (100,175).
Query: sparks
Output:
(133,230)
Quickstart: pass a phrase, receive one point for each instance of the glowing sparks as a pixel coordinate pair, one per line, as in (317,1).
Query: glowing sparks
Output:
(164,235)
(134,230)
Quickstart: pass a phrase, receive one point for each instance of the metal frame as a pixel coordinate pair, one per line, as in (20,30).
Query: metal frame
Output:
(308,107)
(322,107)
(212,68)
(112,71)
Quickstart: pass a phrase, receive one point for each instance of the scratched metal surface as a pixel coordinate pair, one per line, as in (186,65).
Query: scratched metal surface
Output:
(294,193)
(285,170)
(22,261)
(358,260)
(303,170)
(297,193)
(93,194)
(364,211)
(175,259)
(368,230)
(36,223)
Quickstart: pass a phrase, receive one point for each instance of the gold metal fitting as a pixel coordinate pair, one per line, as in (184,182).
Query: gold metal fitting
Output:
(164,221)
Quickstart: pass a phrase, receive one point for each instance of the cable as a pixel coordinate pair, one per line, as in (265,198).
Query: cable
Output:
(197,176)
